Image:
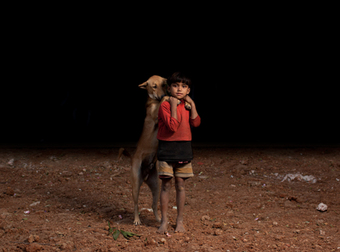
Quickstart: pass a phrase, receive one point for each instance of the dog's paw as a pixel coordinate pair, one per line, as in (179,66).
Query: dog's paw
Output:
(187,105)
(157,216)
(167,98)
(137,222)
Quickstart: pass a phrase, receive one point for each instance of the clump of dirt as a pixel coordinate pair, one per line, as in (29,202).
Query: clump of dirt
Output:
(239,200)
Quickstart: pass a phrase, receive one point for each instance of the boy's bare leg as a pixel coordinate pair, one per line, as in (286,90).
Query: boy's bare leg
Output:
(165,191)
(180,199)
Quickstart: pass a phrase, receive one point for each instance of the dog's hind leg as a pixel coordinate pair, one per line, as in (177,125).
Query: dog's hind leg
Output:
(153,183)
(136,182)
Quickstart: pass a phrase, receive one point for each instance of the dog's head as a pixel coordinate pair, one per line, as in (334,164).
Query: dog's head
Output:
(156,87)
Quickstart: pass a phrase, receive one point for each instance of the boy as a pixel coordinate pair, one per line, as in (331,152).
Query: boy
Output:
(174,149)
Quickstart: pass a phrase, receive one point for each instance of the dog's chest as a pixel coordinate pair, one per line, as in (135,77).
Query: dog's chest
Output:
(153,108)
(154,112)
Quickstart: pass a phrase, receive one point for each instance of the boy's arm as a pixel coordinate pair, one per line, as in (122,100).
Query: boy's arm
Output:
(173,105)
(195,119)
(194,113)
(165,113)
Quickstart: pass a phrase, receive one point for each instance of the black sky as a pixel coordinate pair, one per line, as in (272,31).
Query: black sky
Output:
(260,87)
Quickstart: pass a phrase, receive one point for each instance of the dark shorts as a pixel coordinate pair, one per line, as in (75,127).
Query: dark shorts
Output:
(174,151)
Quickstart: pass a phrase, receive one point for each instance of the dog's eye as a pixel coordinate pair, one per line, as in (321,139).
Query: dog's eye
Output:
(154,86)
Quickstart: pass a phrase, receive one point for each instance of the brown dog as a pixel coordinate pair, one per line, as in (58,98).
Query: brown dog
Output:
(144,161)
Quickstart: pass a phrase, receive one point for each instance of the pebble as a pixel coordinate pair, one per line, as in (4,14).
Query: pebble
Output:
(34,247)
(279,237)
(217,225)
(254,183)
(205,217)
(322,207)
(35,203)
(11,162)
(218,232)
(244,162)
(298,176)
(33,238)
(150,242)
(67,246)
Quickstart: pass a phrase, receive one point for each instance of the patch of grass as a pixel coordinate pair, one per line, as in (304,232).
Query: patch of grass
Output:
(116,232)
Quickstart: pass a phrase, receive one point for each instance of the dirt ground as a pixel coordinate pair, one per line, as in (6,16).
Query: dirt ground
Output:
(239,200)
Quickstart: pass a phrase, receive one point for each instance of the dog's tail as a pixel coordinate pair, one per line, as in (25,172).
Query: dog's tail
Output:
(122,152)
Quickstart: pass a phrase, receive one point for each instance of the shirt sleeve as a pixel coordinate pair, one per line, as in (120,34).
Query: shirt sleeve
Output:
(195,122)
(165,115)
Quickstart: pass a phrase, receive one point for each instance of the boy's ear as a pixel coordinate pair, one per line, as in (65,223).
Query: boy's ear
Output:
(143,85)
(168,90)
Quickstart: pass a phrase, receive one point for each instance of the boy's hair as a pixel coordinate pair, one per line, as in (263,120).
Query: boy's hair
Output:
(179,77)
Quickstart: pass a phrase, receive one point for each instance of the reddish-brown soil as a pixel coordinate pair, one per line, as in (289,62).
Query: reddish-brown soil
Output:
(63,199)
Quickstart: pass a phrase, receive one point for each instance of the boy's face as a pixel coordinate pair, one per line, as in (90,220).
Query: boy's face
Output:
(179,90)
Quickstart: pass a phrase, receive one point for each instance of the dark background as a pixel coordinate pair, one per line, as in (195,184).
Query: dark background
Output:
(252,84)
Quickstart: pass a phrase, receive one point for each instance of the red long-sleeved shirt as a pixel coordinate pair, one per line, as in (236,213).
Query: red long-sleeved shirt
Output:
(170,129)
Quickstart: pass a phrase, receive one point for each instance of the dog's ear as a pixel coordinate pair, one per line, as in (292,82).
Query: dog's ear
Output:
(143,85)
(165,83)
(166,87)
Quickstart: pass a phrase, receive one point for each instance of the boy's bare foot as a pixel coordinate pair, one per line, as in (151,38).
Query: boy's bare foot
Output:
(180,227)
(163,228)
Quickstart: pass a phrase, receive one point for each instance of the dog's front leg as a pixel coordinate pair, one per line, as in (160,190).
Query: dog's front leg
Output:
(136,182)
(187,105)
(167,98)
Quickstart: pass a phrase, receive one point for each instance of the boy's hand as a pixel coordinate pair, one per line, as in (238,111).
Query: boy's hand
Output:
(188,99)
(173,104)
(194,113)
(173,101)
